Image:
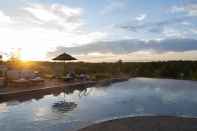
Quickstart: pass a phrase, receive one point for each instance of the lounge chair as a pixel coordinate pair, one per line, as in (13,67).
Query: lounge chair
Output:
(14,79)
(37,80)
(19,83)
(32,77)
(84,77)
(23,78)
(70,77)
(3,70)
(1,78)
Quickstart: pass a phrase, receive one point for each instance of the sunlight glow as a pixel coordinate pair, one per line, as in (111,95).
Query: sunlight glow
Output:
(33,54)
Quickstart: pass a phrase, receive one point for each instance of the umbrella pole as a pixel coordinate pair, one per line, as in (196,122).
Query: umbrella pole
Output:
(64,97)
(64,68)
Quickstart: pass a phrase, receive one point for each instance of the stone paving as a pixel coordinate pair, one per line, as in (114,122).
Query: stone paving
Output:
(154,123)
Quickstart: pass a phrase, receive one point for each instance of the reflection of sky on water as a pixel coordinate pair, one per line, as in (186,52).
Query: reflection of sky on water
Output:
(3,107)
(140,96)
(41,113)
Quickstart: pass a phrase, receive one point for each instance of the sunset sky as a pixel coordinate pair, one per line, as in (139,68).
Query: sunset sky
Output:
(99,30)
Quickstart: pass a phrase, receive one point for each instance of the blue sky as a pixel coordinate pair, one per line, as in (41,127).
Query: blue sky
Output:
(64,23)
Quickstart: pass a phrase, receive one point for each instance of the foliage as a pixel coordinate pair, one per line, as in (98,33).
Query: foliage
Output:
(1,73)
(168,69)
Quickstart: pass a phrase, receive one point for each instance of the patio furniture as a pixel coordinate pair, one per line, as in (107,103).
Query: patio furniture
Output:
(19,83)
(84,77)
(70,77)
(23,78)
(3,70)
(12,75)
(32,77)
(13,78)
(64,57)
(37,81)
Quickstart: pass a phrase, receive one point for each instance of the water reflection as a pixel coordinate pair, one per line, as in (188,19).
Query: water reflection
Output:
(41,113)
(67,104)
(63,106)
(66,109)
(39,95)
(3,107)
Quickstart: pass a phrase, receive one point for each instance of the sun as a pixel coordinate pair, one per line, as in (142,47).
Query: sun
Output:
(33,54)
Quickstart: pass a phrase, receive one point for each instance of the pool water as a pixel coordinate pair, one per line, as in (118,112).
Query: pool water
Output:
(79,108)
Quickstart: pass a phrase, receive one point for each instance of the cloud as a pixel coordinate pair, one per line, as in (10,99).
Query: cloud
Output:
(152,26)
(54,16)
(173,33)
(4,19)
(194,30)
(164,28)
(130,46)
(139,56)
(190,9)
(141,17)
(113,6)
(133,50)
(175,9)
(41,27)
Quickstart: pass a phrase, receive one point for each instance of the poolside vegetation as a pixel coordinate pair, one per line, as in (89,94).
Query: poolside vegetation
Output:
(163,69)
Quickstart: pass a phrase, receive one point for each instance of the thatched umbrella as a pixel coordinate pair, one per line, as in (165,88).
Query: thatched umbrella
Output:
(64,57)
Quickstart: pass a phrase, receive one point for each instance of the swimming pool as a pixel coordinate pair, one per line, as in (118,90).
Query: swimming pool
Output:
(72,110)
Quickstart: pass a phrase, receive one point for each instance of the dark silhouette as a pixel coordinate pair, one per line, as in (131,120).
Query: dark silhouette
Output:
(63,106)
(64,57)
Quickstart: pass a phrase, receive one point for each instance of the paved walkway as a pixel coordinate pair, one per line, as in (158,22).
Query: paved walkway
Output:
(154,123)
(47,84)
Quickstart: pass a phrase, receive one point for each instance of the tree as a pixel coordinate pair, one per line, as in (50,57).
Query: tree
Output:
(1,59)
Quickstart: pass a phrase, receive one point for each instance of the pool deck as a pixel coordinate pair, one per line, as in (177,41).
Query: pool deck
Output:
(146,123)
(52,86)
